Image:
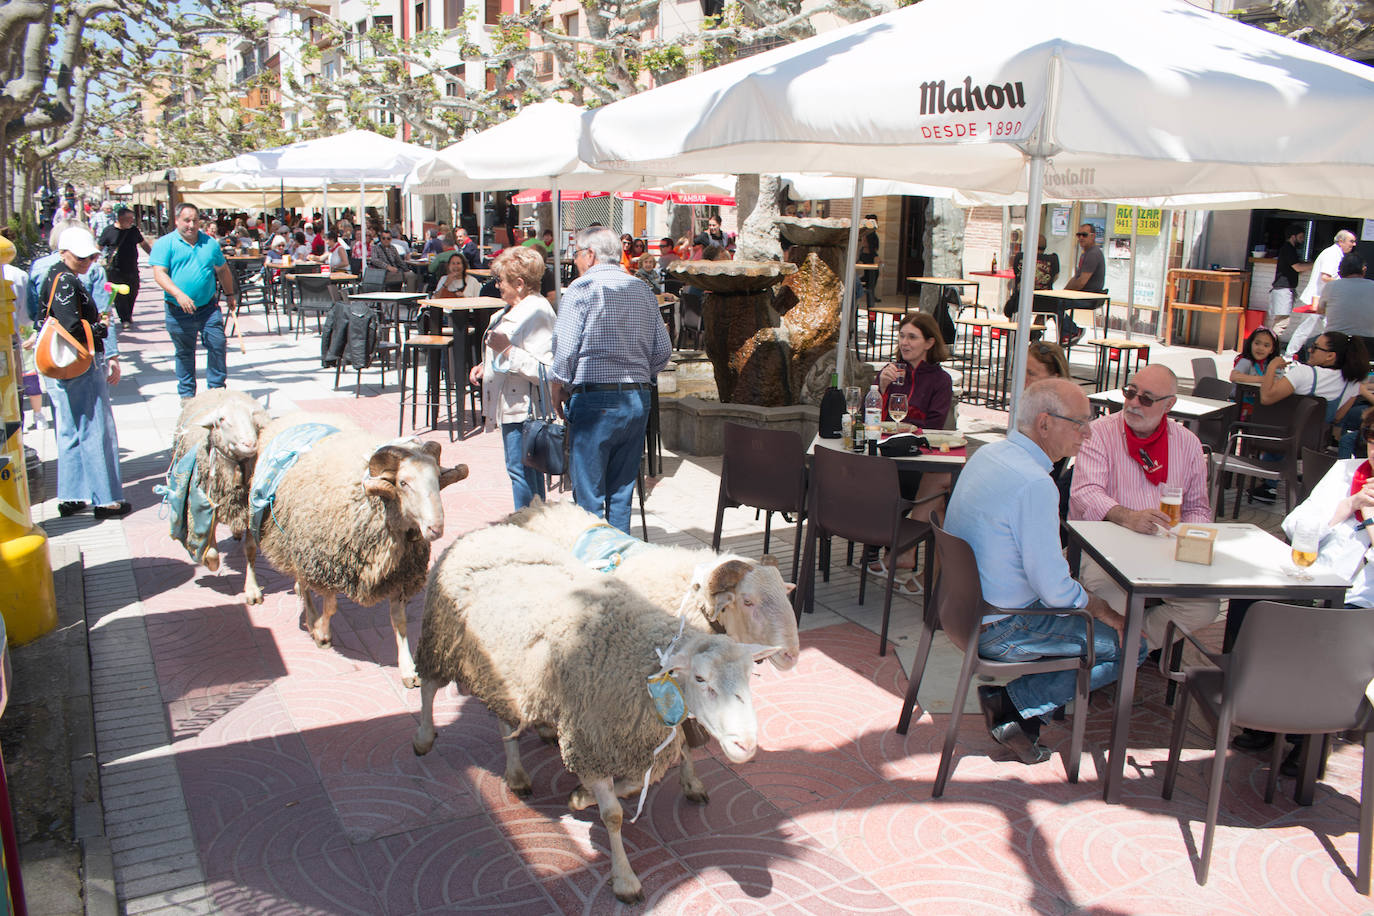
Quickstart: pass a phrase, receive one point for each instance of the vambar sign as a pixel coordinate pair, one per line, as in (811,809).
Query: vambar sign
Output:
(968,97)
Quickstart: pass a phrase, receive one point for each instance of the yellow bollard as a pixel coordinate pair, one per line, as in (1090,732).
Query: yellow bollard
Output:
(27,600)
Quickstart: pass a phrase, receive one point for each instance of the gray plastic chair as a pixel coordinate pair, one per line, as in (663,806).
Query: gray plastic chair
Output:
(1280,429)
(958,605)
(1203,367)
(1293,669)
(764,469)
(1315,465)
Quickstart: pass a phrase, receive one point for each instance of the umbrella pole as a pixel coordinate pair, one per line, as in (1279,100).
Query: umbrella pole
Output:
(557,240)
(848,307)
(324,188)
(362,211)
(1034,198)
(481,219)
(1130,275)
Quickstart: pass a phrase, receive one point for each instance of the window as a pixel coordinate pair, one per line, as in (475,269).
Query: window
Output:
(419,18)
(453,88)
(570,24)
(382,22)
(453,11)
(493,12)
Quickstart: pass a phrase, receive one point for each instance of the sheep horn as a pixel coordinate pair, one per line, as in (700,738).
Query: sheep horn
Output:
(432,449)
(381,471)
(727,576)
(452,475)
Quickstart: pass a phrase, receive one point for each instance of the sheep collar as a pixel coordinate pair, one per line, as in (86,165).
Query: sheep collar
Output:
(669,703)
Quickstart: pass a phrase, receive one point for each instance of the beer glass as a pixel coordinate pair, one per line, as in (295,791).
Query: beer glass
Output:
(1171,503)
(1305,538)
(900,365)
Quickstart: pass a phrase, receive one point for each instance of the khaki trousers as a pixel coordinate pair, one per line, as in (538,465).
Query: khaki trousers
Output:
(1193,613)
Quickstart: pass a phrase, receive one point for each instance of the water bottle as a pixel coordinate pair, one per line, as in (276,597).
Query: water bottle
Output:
(873,411)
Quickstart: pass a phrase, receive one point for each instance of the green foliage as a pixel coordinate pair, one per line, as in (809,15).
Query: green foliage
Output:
(24,234)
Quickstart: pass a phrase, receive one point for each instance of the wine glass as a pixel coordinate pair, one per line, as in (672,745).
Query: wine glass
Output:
(896,407)
(1306,538)
(853,399)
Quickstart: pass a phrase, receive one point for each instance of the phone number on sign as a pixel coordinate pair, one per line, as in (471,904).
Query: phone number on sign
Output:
(972,129)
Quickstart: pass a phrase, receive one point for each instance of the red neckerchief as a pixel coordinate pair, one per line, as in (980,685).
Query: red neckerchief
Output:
(1362,474)
(1152,453)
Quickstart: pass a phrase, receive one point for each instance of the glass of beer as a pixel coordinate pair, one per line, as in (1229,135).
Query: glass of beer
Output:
(1171,504)
(1305,540)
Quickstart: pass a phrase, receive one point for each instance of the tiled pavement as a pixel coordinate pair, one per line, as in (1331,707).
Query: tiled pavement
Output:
(244,770)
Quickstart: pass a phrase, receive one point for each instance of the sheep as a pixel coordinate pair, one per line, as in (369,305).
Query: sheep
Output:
(744,599)
(538,638)
(356,516)
(222,426)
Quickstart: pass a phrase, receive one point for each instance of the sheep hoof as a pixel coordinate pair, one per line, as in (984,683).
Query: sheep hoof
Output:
(211,559)
(521,788)
(581,799)
(252,596)
(548,734)
(696,794)
(627,891)
(412,681)
(324,642)
(421,748)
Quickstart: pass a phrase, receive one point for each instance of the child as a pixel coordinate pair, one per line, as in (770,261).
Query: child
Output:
(1254,358)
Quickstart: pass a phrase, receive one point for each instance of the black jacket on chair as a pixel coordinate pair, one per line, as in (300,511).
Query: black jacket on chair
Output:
(350,334)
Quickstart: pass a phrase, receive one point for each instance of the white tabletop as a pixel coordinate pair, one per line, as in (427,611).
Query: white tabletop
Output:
(392,296)
(932,457)
(1244,557)
(1187,406)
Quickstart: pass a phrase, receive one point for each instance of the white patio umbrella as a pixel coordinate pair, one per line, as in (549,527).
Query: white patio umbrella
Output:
(1144,100)
(356,156)
(539,148)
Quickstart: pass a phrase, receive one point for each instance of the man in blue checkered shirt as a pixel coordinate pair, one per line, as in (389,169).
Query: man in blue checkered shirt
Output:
(610,343)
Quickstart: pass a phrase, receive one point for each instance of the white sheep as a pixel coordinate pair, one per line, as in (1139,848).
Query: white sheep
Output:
(540,639)
(222,427)
(356,516)
(746,600)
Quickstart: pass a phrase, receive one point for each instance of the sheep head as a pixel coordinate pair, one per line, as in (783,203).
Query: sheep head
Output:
(713,674)
(751,601)
(232,429)
(406,473)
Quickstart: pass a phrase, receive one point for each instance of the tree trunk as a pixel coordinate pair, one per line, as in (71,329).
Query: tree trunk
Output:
(6,192)
(757,195)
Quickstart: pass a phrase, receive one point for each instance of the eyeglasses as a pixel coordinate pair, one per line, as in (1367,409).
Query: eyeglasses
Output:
(1081,424)
(1081,235)
(1317,346)
(1132,393)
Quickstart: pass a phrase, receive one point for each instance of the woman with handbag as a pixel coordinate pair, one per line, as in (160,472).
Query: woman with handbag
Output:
(87,445)
(517,350)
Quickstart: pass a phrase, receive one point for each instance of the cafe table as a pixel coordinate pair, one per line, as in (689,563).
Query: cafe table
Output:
(941,284)
(1057,301)
(1187,408)
(458,309)
(1247,562)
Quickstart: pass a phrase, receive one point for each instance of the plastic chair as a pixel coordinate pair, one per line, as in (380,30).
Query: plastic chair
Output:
(1275,429)
(315,294)
(1214,429)
(374,280)
(858,497)
(765,469)
(1293,669)
(1315,465)
(958,605)
(1203,367)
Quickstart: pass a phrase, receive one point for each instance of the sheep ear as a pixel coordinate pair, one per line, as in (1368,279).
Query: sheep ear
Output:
(452,475)
(679,663)
(384,462)
(759,652)
(210,420)
(727,575)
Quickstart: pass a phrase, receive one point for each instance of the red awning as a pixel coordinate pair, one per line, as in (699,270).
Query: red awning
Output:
(663,197)
(543,195)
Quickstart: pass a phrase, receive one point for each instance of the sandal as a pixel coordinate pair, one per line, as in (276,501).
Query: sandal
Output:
(911,586)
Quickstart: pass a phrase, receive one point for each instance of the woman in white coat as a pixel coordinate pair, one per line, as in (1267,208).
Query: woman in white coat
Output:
(518,343)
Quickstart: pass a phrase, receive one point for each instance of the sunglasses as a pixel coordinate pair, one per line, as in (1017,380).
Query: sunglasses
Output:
(1082,235)
(1132,393)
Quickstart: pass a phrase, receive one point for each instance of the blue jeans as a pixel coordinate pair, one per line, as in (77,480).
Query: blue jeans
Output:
(607,430)
(1026,637)
(207,324)
(87,444)
(526,483)
(1350,430)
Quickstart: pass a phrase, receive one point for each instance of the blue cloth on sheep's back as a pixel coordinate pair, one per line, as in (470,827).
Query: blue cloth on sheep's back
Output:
(603,547)
(281,454)
(191,513)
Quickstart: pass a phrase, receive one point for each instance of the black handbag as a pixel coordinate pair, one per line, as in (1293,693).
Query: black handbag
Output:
(543,439)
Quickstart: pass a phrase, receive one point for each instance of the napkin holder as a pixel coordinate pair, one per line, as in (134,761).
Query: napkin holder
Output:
(1194,544)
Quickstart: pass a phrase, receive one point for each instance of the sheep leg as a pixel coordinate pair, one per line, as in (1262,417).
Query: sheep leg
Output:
(425,734)
(404,660)
(547,733)
(692,786)
(624,882)
(317,622)
(517,780)
(581,798)
(252,592)
(210,558)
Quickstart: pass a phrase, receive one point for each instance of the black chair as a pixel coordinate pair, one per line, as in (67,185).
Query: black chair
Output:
(857,497)
(374,280)
(314,294)
(385,342)
(765,469)
(959,606)
(693,318)
(1298,670)
(1315,465)
(1274,429)
(1214,429)
(1203,367)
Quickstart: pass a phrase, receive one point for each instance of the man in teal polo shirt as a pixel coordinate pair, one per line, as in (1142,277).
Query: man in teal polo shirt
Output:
(185,264)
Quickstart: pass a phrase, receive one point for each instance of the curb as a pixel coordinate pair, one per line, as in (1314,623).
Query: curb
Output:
(88,814)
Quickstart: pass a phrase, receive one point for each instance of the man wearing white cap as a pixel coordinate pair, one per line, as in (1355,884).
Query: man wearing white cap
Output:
(87,445)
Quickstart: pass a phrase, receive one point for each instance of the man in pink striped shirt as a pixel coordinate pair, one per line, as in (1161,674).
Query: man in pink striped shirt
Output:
(1128,458)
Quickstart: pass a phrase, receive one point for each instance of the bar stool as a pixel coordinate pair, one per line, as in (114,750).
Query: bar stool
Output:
(413,349)
(1125,355)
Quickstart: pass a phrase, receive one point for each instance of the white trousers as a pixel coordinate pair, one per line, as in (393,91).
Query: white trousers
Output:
(1193,613)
